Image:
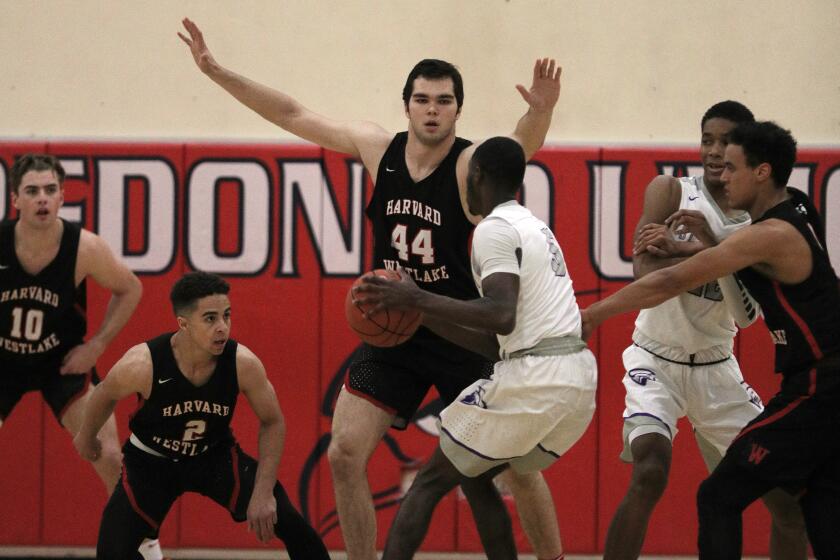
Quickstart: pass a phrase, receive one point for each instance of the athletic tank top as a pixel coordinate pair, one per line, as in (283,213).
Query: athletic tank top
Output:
(804,318)
(546,307)
(422,227)
(698,319)
(42,316)
(179,419)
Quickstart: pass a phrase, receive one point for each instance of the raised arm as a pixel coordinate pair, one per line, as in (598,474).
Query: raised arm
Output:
(541,98)
(96,260)
(131,374)
(254,384)
(364,140)
(532,127)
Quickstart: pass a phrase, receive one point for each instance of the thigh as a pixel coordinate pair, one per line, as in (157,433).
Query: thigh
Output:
(653,401)
(358,425)
(151,485)
(225,475)
(62,392)
(388,380)
(720,403)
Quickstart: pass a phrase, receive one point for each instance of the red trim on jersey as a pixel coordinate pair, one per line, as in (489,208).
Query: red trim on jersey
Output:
(235,465)
(370,399)
(128,492)
(770,419)
(75,397)
(803,326)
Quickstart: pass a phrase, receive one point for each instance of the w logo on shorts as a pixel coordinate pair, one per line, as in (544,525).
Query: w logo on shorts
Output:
(476,398)
(641,376)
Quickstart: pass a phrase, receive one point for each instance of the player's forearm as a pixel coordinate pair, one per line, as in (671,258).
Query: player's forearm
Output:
(270,443)
(271,104)
(482,343)
(118,312)
(482,314)
(645,293)
(647,263)
(98,409)
(531,130)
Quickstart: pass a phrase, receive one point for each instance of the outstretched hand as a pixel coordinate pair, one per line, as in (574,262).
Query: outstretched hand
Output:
(380,293)
(201,54)
(545,87)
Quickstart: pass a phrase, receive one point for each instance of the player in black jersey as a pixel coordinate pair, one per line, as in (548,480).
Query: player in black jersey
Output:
(421,223)
(44,262)
(187,383)
(793,443)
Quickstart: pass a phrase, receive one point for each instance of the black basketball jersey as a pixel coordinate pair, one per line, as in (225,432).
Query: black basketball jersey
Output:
(42,316)
(179,419)
(422,227)
(804,318)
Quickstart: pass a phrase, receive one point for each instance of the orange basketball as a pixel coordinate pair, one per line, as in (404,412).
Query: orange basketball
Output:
(386,328)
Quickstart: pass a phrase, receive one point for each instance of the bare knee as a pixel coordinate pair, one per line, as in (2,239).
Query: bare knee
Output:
(346,460)
(650,477)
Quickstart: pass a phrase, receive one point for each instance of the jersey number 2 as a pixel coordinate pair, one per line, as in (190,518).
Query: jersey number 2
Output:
(420,245)
(195,430)
(32,326)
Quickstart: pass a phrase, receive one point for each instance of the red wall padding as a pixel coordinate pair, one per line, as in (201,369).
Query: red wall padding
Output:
(285,224)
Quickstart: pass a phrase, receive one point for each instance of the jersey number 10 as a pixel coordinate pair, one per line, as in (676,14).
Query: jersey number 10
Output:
(32,326)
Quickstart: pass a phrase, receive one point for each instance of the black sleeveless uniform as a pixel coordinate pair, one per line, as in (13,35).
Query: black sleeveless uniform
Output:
(794,443)
(182,442)
(422,228)
(42,317)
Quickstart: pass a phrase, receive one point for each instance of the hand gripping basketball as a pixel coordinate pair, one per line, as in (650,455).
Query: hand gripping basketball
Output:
(388,327)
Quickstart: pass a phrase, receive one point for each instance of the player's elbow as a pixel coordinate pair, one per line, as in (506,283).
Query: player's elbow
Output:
(506,322)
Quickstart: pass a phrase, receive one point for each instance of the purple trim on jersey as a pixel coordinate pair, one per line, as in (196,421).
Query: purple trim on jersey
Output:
(652,416)
(803,326)
(473,451)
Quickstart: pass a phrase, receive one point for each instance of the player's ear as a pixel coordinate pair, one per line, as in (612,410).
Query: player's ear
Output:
(182,323)
(763,171)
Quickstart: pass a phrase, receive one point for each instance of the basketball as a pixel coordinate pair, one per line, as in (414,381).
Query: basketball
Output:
(386,328)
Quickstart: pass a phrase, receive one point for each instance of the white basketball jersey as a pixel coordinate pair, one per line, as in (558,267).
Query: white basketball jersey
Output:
(511,239)
(696,319)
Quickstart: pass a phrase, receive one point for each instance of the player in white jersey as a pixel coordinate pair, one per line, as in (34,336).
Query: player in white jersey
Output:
(680,362)
(541,396)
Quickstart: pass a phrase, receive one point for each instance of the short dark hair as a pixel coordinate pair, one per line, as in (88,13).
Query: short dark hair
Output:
(502,161)
(35,162)
(193,286)
(767,142)
(730,110)
(434,69)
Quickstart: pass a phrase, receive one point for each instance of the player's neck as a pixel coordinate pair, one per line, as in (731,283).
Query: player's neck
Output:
(767,200)
(422,158)
(191,359)
(35,240)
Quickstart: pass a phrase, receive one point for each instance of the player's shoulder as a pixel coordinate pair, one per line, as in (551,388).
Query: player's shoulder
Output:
(135,363)
(246,359)
(662,184)
(91,244)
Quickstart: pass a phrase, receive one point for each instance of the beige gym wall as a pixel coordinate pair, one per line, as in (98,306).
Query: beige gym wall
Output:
(634,72)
